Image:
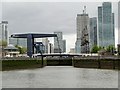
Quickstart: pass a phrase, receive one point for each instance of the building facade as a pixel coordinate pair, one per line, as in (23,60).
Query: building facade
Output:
(64,46)
(4,31)
(119,22)
(105,25)
(72,50)
(59,43)
(45,42)
(100,26)
(93,32)
(82,41)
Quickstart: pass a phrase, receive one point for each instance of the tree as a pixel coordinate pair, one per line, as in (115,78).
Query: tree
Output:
(110,48)
(95,49)
(22,50)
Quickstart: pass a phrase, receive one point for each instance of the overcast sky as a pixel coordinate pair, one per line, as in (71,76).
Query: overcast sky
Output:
(47,17)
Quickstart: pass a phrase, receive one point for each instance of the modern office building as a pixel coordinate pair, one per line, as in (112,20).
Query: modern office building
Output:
(119,22)
(82,41)
(4,31)
(105,25)
(78,46)
(18,41)
(99,26)
(59,43)
(93,32)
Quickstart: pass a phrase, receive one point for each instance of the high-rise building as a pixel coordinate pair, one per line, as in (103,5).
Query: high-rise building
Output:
(58,42)
(105,25)
(18,41)
(78,46)
(82,41)
(100,26)
(119,22)
(4,31)
(93,32)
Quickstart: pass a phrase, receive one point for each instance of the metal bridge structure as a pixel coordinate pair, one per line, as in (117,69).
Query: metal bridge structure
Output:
(30,40)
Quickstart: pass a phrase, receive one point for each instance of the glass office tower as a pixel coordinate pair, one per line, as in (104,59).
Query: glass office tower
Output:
(93,32)
(99,26)
(105,25)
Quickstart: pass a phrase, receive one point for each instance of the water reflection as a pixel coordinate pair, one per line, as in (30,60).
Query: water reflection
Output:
(60,77)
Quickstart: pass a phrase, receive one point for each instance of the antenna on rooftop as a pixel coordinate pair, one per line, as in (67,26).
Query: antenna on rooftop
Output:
(84,11)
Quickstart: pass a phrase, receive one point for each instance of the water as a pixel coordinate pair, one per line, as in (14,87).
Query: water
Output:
(60,77)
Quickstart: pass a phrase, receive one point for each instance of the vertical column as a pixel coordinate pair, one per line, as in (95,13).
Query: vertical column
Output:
(32,45)
(29,45)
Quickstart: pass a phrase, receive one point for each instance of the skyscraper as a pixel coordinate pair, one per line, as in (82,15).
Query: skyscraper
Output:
(100,26)
(82,41)
(59,43)
(105,25)
(93,32)
(4,31)
(119,22)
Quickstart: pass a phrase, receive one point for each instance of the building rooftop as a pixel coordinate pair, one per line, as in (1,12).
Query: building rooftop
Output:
(10,47)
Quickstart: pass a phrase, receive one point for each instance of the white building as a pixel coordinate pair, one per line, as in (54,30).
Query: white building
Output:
(72,50)
(45,42)
(4,31)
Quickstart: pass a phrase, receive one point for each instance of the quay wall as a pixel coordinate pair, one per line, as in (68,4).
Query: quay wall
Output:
(59,62)
(22,64)
(78,62)
(97,63)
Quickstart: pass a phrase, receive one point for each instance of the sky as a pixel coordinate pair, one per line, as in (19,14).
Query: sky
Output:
(49,17)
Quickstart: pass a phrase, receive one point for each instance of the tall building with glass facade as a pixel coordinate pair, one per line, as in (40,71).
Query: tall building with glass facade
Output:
(105,25)
(99,26)
(93,32)
(59,43)
(119,22)
(82,40)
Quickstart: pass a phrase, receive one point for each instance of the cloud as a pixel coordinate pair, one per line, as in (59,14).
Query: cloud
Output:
(47,17)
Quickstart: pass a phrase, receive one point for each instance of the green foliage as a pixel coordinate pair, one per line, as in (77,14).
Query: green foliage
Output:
(110,48)
(3,43)
(22,50)
(95,49)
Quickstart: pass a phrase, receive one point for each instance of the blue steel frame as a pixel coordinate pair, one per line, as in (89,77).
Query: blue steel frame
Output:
(30,40)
